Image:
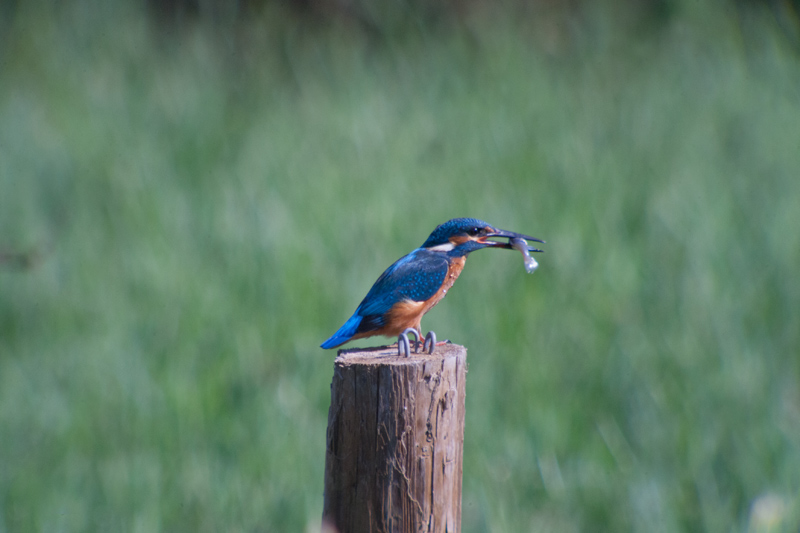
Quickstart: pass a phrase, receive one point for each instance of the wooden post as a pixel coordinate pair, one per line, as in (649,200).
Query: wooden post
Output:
(395,439)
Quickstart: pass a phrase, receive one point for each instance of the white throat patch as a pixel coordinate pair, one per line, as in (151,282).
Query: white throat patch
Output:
(446,247)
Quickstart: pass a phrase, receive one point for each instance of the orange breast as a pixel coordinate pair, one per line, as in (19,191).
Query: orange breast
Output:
(409,314)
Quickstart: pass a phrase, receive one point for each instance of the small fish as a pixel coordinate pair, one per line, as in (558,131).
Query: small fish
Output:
(522,245)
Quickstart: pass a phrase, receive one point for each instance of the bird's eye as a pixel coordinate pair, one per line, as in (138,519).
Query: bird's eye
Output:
(473,231)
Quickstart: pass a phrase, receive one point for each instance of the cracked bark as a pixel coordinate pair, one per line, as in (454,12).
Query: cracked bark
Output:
(393,460)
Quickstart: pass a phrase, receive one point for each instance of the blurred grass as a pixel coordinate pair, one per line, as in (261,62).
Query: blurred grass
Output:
(204,208)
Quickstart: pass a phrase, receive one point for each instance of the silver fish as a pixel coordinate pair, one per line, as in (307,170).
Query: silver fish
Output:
(522,245)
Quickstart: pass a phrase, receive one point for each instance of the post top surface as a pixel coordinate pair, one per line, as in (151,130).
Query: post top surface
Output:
(387,355)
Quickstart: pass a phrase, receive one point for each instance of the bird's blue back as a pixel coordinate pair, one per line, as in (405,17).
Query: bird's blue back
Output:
(416,276)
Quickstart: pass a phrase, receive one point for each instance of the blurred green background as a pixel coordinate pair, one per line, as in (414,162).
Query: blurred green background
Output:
(193,196)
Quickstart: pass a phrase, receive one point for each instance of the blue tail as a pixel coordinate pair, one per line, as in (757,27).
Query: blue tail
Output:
(344,334)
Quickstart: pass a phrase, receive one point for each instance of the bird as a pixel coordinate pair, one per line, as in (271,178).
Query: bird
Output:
(413,284)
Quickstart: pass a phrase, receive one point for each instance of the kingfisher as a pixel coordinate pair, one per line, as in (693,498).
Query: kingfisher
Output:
(408,289)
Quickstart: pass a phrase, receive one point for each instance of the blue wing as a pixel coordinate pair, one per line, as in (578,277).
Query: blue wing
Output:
(416,277)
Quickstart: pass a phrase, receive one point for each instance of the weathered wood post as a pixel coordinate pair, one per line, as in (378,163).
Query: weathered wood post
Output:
(393,460)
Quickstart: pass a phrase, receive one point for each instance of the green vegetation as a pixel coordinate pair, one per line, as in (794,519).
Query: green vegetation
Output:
(198,208)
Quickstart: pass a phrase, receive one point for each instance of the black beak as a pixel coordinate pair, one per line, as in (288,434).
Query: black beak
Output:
(510,235)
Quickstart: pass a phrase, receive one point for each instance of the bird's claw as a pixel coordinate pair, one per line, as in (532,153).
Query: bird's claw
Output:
(404,345)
